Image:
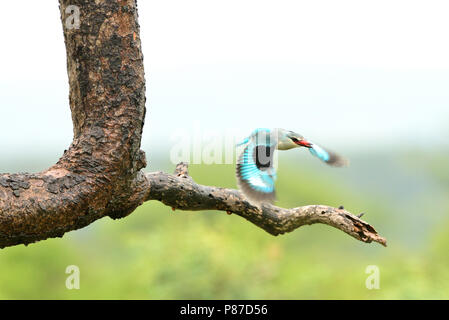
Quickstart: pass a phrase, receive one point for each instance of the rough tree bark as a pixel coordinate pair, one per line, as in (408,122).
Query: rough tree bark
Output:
(100,174)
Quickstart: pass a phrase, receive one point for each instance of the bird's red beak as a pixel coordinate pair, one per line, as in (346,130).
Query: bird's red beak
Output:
(304,143)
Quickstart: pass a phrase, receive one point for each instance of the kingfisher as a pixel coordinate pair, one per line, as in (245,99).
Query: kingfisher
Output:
(255,172)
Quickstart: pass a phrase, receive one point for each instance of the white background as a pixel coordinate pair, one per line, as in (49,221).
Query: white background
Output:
(357,74)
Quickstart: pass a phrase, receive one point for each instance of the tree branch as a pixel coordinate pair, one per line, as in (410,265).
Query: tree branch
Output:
(96,176)
(179,191)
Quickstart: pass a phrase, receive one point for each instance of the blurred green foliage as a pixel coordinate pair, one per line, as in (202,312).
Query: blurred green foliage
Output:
(157,253)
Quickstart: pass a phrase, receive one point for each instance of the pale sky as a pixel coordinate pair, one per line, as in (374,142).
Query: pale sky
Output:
(352,73)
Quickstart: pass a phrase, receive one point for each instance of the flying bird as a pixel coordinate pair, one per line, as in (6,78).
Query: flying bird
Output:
(255,172)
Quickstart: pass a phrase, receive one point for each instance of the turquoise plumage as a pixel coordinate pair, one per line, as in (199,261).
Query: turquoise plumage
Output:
(255,172)
(320,153)
(256,178)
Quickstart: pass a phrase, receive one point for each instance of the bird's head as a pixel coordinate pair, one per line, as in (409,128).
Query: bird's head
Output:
(289,140)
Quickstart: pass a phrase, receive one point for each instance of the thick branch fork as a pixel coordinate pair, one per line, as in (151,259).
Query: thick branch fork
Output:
(179,191)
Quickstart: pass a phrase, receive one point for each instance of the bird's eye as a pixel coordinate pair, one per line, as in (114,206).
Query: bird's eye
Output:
(294,139)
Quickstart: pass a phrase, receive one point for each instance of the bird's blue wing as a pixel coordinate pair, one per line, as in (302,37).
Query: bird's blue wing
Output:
(327,156)
(255,172)
(254,135)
